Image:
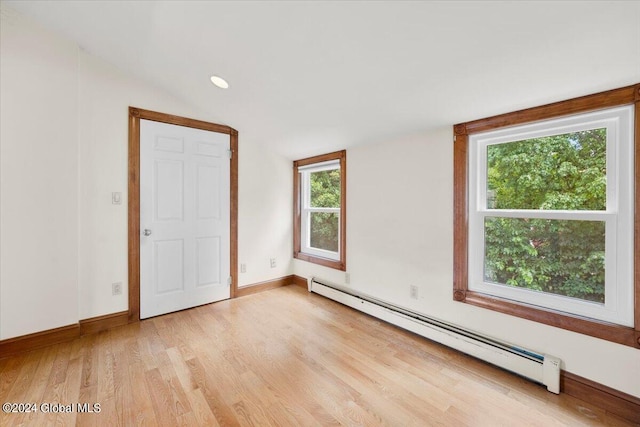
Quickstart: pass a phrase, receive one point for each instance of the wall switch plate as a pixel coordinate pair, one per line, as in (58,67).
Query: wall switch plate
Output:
(273,262)
(116,198)
(116,288)
(243,268)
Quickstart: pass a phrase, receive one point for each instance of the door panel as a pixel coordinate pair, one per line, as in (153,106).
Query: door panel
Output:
(169,265)
(185,206)
(208,271)
(168,188)
(208,192)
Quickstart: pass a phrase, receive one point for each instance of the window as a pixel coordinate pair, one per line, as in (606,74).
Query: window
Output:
(546,232)
(319,209)
(550,214)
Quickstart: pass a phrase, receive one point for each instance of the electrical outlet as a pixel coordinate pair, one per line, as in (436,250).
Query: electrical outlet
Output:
(347,278)
(116,198)
(413,291)
(273,262)
(116,288)
(243,268)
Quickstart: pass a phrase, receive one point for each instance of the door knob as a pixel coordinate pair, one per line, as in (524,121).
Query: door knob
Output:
(147,232)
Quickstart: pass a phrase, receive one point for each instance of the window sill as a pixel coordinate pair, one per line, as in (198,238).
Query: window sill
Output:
(326,262)
(624,335)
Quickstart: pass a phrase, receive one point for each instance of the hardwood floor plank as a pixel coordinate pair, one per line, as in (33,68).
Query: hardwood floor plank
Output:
(68,392)
(33,394)
(181,369)
(9,375)
(106,362)
(122,387)
(20,389)
(278,358)
(200,409)
(161,398)
(222,412)
(89,395)
(250,414)
(59,369)
(140,399)
(90,361)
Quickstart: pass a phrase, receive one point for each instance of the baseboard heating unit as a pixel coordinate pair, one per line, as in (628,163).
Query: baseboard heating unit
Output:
(541,368)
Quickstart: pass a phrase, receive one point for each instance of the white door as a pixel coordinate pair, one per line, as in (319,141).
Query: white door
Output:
(184,217)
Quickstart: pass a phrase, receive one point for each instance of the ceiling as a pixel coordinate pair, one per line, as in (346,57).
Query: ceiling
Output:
(312,77)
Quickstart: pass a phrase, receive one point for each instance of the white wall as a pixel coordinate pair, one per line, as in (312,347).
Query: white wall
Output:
(64,142)
(39,179)
(265,205)
(400,233)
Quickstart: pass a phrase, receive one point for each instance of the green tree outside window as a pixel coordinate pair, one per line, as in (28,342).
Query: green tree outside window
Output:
(325,193)
(561,172)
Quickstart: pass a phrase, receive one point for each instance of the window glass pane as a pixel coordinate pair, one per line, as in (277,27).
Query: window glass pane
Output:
(325,189)
(324,228)
(560,172)
(562,257)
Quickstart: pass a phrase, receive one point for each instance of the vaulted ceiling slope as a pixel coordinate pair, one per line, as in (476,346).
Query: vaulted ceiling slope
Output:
(308,77)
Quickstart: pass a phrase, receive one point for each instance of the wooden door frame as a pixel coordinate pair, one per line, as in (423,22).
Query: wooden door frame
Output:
(135,114)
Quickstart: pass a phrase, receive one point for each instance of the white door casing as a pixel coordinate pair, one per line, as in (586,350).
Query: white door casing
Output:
(184,217)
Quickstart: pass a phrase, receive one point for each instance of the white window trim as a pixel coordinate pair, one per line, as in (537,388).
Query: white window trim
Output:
(618,216)
(306,210)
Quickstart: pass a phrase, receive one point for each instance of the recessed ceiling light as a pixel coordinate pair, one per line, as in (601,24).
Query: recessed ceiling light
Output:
(220,82)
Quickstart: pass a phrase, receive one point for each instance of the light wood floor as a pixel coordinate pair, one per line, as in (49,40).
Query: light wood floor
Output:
(282,357)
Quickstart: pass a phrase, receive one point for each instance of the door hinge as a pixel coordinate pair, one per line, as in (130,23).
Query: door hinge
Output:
(229,281)
(230,153)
